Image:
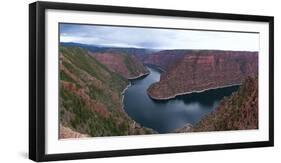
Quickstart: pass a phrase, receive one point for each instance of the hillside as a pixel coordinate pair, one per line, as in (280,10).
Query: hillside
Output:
(90,97)
(124,64)
(204,69)
(237,112)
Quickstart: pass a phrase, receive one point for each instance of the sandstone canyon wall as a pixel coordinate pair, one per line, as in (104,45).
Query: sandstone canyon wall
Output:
(124,64)
(200,70)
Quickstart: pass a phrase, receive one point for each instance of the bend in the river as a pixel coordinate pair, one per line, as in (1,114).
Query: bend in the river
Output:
(166,116)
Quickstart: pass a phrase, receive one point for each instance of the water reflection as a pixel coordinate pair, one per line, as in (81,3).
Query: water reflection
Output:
(166,116)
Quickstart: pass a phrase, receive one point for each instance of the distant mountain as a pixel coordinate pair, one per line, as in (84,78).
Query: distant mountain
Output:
(93,48)
(199,70)
(107,49)
(91,98)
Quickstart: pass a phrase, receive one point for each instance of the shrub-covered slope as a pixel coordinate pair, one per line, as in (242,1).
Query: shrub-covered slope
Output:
(90,96)
(237,112)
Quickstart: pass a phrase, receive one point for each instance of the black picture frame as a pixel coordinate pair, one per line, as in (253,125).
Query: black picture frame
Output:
(37,80)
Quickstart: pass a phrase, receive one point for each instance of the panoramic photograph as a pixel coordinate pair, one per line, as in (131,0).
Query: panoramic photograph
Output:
(122,80)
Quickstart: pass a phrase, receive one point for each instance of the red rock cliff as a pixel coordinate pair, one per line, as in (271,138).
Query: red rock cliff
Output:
(164,59)
(126,65)
(205,69)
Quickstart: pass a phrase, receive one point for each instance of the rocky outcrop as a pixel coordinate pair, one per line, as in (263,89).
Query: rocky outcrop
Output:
(186,128)
(66,132)
(202,70)
(124,64)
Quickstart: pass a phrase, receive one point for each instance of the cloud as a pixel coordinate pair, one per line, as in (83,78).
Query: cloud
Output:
(157,38)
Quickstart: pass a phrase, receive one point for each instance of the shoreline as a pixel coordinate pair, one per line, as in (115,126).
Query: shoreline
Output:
(139,76)
(123,92)
(123,106)
(190,92)
(155,67)
(133,78)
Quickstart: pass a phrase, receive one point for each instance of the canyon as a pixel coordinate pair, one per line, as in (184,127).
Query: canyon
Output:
(201,70)
(93,81)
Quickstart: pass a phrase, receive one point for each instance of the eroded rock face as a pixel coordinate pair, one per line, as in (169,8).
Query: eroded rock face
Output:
(66,132)
(186,128)
(126,65)
(164,59)
(206,69)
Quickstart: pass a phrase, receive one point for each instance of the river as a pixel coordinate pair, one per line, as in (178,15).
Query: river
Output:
(166,116)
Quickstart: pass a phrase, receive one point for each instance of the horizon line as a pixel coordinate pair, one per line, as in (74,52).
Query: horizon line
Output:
(127,47)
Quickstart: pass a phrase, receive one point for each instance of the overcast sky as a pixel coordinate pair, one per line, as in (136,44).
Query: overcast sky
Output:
(157,38)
